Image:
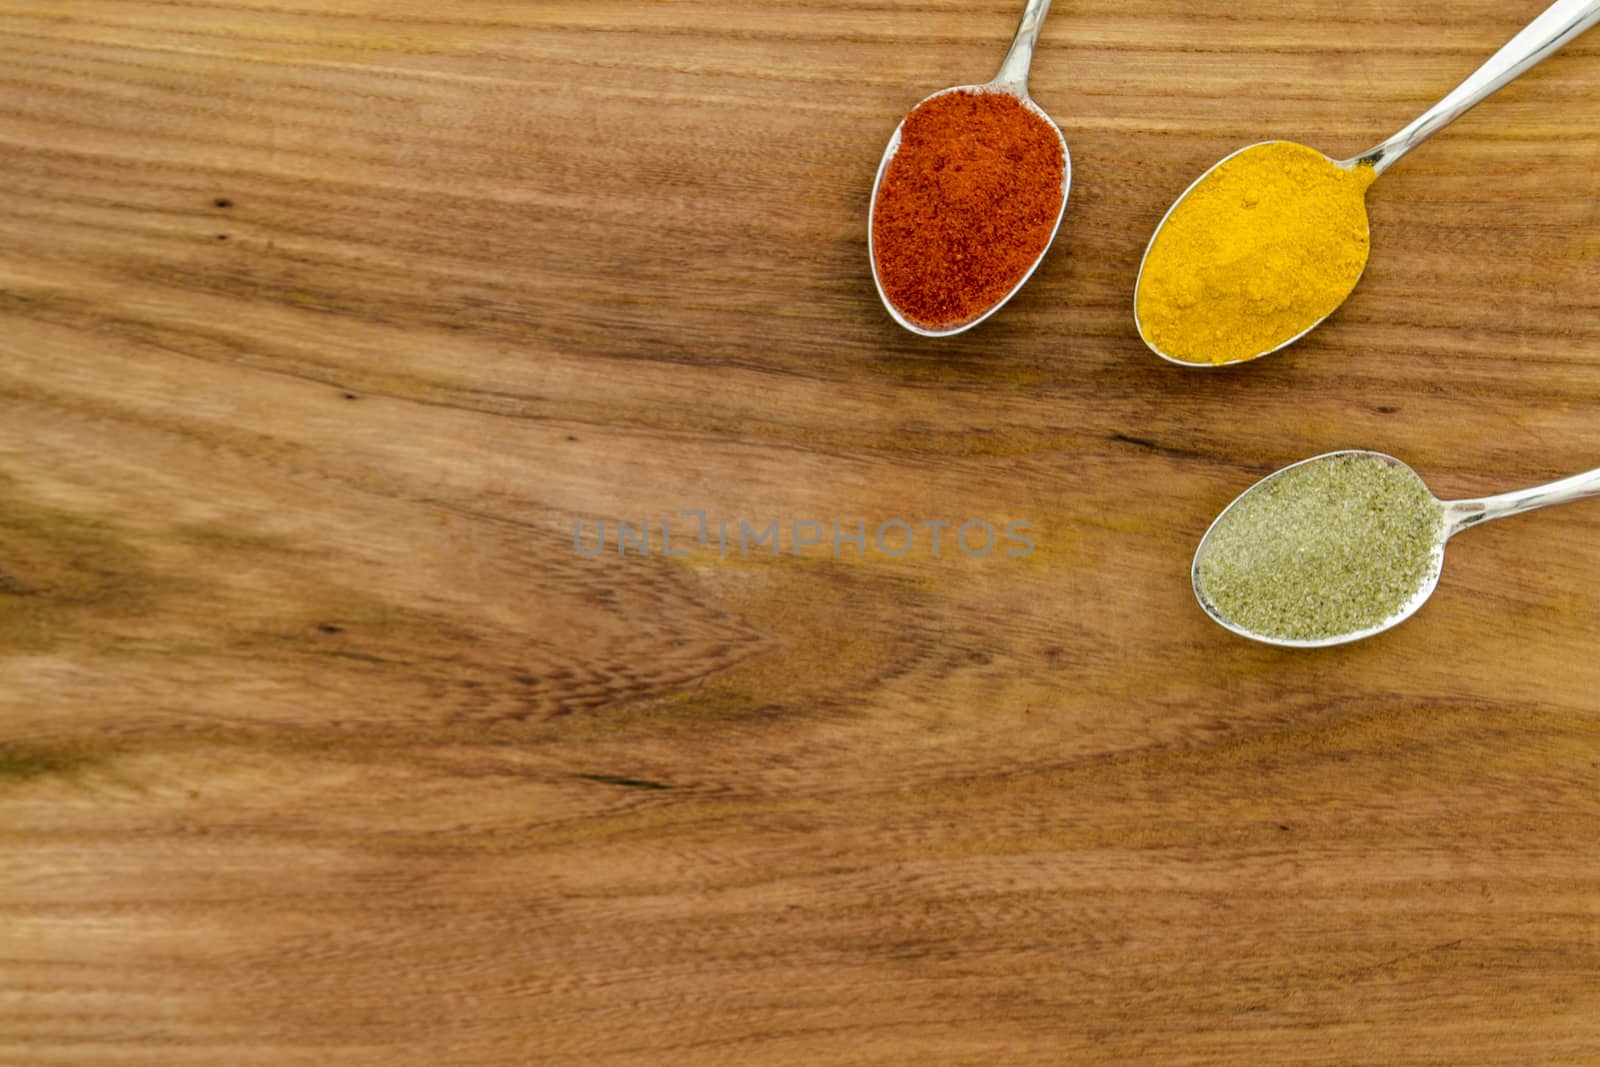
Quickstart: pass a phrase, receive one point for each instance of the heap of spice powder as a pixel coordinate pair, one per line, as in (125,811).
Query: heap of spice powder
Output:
(1323,549)
(1264,247)
(967,204)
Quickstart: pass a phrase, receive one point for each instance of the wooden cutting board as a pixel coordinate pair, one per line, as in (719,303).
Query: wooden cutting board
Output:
(322,742)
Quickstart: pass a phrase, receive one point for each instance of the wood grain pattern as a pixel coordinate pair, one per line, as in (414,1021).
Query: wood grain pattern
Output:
(319,743)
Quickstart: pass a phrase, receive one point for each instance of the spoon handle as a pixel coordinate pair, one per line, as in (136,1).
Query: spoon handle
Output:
(1561,22)
(1013,76)
(1460,514)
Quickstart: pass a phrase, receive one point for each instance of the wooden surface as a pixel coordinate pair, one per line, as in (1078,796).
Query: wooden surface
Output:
(320,324)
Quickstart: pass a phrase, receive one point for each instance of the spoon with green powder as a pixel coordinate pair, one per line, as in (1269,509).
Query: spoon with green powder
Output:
(1340,547)
(1271,240)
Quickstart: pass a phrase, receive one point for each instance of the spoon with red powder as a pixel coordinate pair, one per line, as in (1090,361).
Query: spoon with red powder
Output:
(968,197)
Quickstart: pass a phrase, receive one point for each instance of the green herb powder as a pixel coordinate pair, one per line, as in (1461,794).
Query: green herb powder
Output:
(1322,550)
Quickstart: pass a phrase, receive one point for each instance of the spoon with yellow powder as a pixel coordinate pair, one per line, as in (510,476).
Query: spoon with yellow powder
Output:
(1340,547)
(1270,241)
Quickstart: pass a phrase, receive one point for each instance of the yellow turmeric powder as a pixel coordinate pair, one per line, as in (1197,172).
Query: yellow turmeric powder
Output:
(1260,250)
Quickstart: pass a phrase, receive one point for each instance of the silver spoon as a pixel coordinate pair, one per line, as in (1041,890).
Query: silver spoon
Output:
(1013,79)
(1454,516)
(1560,23)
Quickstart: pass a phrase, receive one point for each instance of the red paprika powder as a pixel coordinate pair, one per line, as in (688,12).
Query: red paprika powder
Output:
(967,204)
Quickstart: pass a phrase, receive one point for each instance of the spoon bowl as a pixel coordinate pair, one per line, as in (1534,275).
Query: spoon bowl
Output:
(1452,517)
(1012,80)
(1284,212)
(883,167)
